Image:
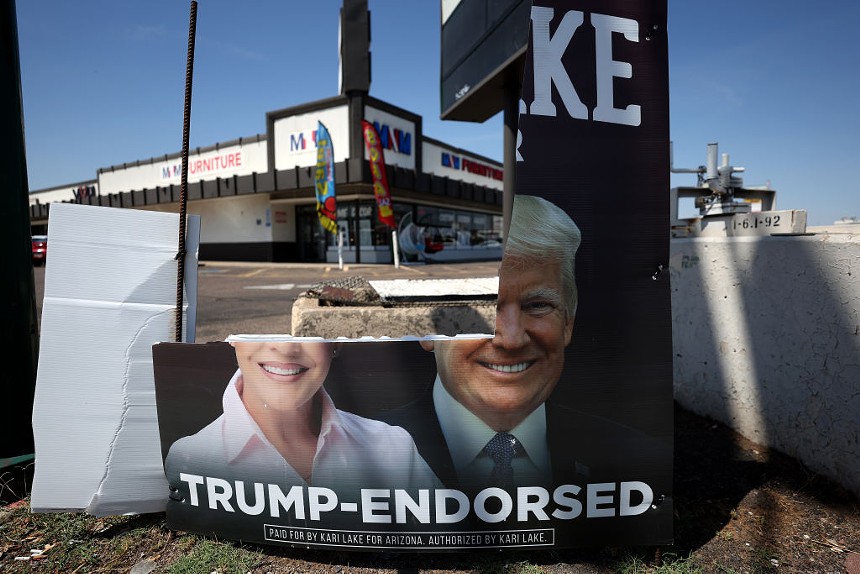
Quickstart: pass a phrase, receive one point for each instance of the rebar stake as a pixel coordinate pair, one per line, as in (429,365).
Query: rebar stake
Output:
(183,196)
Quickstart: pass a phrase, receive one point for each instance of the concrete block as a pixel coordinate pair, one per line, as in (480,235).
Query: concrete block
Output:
(310,319)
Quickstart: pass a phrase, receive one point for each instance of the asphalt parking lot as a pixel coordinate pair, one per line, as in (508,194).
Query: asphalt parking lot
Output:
(247,297)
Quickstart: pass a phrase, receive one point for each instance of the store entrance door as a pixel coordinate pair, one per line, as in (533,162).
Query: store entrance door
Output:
(312,238)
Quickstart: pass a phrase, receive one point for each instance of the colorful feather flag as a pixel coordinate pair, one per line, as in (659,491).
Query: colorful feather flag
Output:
(324,180)
(377,171)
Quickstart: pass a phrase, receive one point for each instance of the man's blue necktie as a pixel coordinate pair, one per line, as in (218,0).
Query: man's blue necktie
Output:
(502,449)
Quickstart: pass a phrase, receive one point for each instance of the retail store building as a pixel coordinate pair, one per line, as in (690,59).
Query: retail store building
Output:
(257,201)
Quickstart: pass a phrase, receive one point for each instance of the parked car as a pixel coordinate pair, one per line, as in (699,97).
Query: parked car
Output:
(40,249)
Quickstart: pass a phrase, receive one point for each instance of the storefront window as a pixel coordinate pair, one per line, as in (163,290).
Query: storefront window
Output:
(455,229)
(360,225)
(403,213)
(345,217)
(423,228)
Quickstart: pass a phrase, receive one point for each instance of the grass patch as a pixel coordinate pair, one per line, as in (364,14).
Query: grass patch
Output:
(497,563)
(524,568)
(74,541)
(672,564)
(212,556)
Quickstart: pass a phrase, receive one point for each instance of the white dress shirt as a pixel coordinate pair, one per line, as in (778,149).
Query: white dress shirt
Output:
(352,452)
(467,435)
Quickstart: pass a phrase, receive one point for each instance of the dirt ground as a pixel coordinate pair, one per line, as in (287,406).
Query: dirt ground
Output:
(739,508)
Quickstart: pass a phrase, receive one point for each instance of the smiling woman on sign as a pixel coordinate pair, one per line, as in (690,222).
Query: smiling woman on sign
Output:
(279,426)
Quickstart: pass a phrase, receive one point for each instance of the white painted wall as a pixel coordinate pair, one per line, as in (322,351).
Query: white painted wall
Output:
(284,221)
(240,219)
(236,220)
(240,159)
(295,139)
(767,340)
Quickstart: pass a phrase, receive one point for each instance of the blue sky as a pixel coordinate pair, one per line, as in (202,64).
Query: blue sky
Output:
(776,83)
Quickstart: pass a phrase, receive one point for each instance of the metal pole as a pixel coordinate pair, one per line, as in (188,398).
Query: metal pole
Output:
(183,188)
(509,179)
(20,333)
(396,250)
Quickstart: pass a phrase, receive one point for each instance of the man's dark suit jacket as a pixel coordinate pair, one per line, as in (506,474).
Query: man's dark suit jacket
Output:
(583,448)
(611,452)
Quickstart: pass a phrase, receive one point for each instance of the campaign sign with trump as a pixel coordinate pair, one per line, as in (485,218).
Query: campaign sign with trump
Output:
(554,429)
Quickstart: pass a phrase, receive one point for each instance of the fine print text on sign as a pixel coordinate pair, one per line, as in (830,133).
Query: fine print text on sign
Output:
(375,540)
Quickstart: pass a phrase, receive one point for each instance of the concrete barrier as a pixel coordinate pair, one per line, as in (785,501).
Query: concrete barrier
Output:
(766,337)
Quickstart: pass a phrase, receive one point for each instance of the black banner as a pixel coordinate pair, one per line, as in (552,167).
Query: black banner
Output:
(556,432)
(594,140)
